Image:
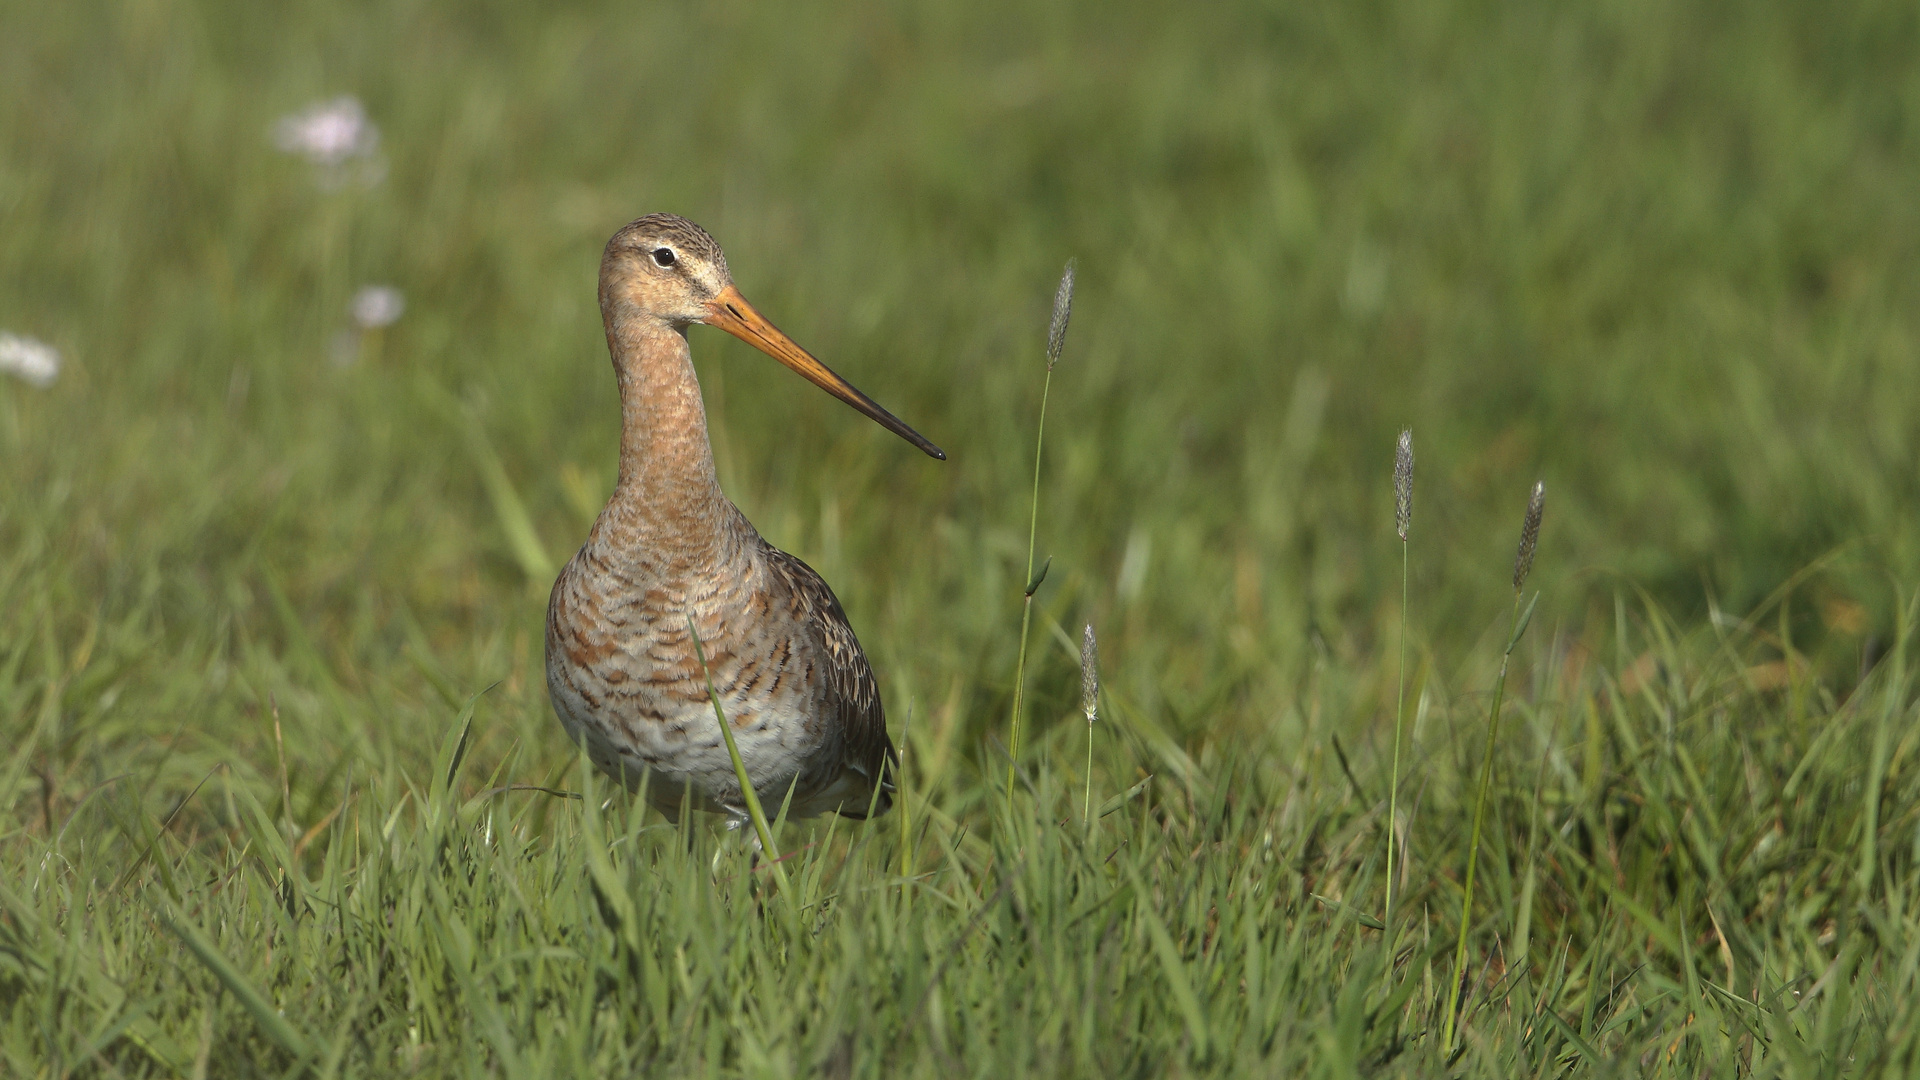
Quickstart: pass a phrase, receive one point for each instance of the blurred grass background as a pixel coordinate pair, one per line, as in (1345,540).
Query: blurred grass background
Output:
(1660,256)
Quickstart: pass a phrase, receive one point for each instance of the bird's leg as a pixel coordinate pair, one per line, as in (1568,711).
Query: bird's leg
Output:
(735,823)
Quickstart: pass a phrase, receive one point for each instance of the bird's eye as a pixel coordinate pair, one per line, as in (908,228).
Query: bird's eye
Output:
(663,256)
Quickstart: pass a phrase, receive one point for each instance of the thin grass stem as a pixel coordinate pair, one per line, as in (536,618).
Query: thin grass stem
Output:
(1402,521)
(1473,845)
(1399,737)
(747,794)
(1089,704)
(1086,802)
(1026,610)
(1056,341)
(1522,565)
(906,810)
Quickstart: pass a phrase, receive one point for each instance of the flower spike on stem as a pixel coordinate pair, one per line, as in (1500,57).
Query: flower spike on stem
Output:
(1522,565)
(1056,341)
(1089,704)
(1402,523)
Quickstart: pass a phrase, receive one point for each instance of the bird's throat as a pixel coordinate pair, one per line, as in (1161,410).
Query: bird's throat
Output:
(667,488)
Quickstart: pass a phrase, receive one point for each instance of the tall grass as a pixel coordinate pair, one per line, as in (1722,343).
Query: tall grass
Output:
(1056,341)
(1402,523)
(464,928)
(1521,617)
(1089,705)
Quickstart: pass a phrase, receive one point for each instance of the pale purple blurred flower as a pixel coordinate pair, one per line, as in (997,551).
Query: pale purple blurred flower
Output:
(337,137)
(32,360)
(376,306)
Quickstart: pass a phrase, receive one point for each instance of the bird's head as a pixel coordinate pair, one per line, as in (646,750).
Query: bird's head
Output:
(666,267)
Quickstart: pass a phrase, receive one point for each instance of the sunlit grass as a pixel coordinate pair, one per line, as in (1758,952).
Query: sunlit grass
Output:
(450,923)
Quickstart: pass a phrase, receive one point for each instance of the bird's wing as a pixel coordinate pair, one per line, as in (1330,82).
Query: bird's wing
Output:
(850,686)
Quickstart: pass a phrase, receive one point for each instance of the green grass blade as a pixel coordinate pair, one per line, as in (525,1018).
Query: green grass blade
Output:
(273,1025)
(1172,967)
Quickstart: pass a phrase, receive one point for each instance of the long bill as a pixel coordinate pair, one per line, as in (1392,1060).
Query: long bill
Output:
(730,312)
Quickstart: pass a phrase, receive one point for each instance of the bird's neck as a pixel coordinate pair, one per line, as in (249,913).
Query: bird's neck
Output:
(667,497)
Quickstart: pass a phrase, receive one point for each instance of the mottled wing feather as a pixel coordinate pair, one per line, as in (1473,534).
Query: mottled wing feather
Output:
(851,690)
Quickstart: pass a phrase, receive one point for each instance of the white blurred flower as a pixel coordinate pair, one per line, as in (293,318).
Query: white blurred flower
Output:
(376,306)
(35,361)
(337,137)
(329,133)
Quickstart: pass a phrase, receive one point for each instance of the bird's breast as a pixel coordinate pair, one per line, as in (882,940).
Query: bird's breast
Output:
(622,653)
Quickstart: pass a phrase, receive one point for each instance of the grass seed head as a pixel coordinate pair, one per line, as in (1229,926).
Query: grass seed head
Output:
(1062,311)
(1089,675)
(1403,484)
(1529,535)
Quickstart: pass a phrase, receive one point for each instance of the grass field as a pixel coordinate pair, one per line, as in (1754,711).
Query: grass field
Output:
(271,682)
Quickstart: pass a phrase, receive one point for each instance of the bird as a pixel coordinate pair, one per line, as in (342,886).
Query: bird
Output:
(671,556)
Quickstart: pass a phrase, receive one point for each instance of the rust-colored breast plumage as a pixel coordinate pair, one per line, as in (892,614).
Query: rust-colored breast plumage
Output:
(785,664)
